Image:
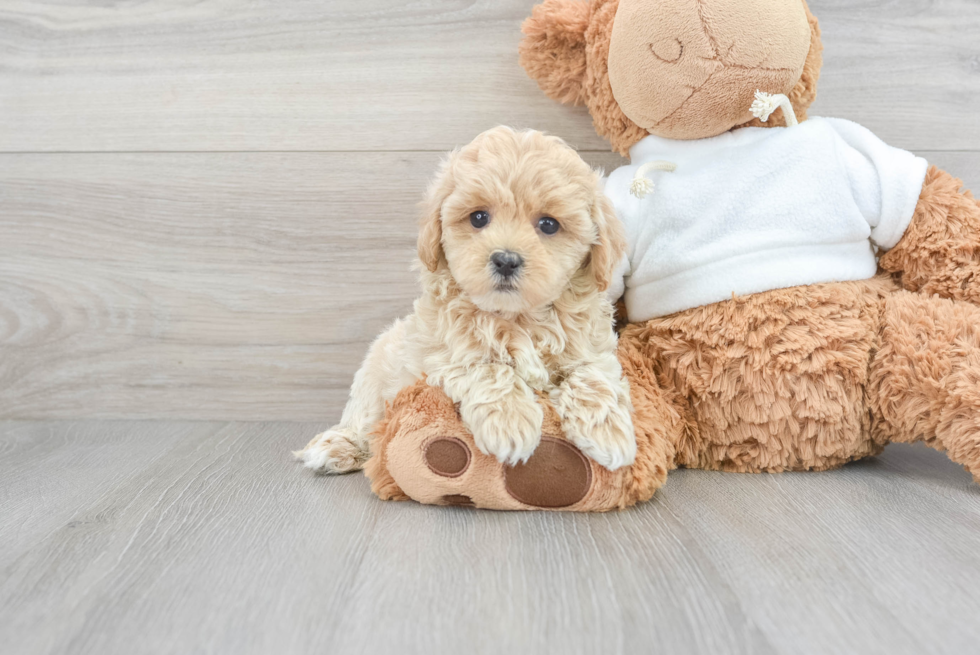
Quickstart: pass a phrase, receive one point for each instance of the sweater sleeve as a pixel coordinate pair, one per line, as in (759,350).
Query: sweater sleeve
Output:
(617,287)
(613,186)
(885,182)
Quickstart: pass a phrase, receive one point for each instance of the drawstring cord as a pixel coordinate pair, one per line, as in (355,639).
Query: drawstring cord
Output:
(766,103)
(642,185)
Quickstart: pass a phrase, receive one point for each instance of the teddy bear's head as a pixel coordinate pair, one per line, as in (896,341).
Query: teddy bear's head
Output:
(681,69)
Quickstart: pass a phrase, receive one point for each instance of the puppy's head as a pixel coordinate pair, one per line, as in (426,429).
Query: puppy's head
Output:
(515,217)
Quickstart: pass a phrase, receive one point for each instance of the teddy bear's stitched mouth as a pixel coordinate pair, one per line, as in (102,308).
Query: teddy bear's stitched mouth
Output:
(683,103)
(694,90)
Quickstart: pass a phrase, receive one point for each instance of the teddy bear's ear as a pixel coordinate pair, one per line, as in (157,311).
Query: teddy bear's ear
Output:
(805,91)
(553,49)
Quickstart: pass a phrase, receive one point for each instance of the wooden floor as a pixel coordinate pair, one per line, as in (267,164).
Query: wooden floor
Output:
(207,210)
(200,537)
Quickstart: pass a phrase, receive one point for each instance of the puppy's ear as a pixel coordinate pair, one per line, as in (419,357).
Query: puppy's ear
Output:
(430,228)
(553,48)
(610,245)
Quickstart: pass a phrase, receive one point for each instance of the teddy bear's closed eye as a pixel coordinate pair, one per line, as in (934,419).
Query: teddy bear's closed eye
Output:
(669,52)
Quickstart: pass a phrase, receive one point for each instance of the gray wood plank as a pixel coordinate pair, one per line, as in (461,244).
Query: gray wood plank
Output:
(900,560)
(961,164)
(225,545)
(52,472)
(202,286)
(384,74)
(195,555)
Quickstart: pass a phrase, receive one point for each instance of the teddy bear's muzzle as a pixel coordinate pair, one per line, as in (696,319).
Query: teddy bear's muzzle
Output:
(686,70)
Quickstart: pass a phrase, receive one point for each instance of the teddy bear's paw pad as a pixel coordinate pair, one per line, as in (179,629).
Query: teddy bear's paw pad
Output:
(556,475)
(448,457)
(457,500)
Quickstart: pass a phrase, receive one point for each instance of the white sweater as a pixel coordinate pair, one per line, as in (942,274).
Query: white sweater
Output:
(757,209)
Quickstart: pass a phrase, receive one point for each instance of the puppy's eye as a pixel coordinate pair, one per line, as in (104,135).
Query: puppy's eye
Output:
(548,225)
(479,219)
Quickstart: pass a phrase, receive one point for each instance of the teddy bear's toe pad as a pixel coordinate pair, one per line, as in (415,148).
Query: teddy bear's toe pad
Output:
(556,475)
(447,456)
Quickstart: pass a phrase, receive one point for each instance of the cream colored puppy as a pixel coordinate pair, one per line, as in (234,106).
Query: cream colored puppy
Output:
(517,245)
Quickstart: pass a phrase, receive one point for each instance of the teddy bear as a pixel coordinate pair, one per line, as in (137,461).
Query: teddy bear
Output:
(857,330)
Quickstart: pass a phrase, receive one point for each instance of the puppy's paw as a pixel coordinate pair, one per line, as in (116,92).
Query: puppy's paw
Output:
(611,442)
(508,430)
(333,451)
(597,417)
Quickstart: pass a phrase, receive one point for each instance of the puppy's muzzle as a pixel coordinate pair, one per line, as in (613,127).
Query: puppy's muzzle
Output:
(506,263)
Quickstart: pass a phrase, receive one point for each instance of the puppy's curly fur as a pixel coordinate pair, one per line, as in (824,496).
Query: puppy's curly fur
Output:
(494,343)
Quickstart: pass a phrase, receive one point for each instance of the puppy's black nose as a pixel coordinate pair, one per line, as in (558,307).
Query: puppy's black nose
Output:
(506,263)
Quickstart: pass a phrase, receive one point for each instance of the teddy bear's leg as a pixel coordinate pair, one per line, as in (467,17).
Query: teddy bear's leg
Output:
(940,252)
(924,382)
(423,450)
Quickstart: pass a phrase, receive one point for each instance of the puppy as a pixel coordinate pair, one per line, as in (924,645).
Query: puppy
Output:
(517,244)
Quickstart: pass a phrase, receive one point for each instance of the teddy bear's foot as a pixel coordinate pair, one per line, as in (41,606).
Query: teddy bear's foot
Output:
(423,451)
(925,377)
(334,451)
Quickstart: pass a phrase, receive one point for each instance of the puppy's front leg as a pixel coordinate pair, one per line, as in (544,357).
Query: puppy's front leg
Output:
(594,405)
(499,408)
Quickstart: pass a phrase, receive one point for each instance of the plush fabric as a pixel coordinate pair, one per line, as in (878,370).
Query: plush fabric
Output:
(756,209)
(688,70)
(940,252)
(800,378)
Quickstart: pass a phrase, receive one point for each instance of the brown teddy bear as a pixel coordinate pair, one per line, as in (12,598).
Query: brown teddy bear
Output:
(776,376)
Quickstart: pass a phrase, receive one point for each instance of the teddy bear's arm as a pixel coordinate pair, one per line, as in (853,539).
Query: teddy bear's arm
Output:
(940,250)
